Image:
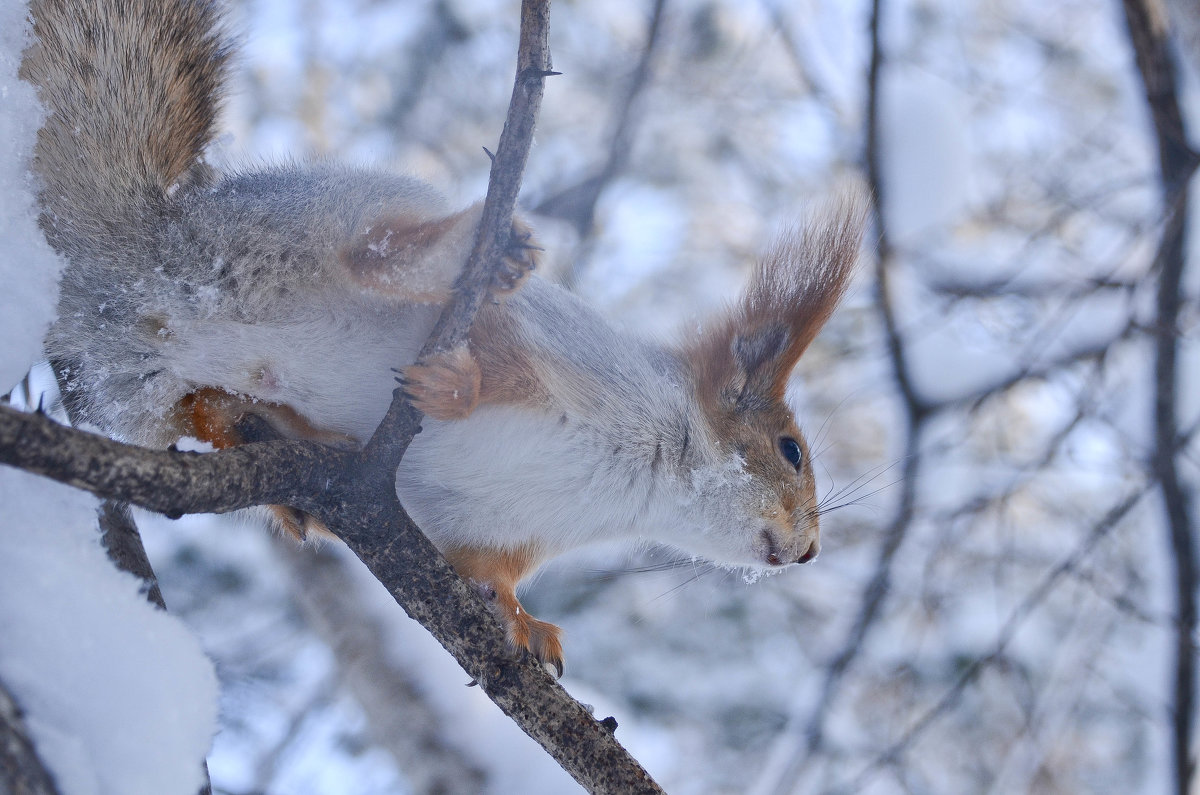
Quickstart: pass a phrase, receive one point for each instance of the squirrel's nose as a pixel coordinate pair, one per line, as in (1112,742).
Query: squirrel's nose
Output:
(811,553)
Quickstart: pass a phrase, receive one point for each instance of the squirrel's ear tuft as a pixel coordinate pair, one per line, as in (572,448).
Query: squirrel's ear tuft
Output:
(747,357)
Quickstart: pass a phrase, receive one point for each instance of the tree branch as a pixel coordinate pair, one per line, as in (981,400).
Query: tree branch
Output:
(124,546)
(1148,29)
(402,422)
(21,769)
(808,740)
(915,407)
(169,482)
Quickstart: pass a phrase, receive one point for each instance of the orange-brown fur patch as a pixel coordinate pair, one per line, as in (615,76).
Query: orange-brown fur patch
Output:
(520,259)
(211,415)
(755,434)
(509,370)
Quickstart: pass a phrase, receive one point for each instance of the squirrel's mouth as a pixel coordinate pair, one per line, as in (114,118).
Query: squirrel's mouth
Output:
(774,555)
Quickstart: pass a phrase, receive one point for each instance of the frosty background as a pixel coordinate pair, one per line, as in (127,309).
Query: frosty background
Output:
(995,609)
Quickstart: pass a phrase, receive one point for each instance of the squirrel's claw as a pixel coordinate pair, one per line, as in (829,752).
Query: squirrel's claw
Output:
(520,258)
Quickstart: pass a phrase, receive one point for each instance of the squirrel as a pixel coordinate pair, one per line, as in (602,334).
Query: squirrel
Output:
(192,299)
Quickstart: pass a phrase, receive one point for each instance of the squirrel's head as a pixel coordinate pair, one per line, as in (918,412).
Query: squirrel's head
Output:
(761,487)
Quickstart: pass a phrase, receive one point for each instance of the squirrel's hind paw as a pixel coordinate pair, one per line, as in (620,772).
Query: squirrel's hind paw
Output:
(446,387)
(520,258)
(541,638)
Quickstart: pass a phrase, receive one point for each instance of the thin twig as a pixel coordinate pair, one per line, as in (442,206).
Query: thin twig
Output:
(1016,619)
(402,422)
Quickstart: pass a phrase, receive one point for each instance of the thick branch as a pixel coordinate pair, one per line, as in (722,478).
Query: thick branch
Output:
(172,483)
(395,550)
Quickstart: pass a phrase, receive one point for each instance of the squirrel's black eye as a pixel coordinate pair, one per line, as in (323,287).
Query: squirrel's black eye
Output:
(791,450)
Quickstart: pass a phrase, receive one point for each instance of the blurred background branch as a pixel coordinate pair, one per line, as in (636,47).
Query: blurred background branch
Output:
(1149,30)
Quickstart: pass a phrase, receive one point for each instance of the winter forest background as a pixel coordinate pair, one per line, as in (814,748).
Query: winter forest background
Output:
(996,609)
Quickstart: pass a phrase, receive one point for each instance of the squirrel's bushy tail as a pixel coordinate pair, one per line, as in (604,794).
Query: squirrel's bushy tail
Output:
(130,90)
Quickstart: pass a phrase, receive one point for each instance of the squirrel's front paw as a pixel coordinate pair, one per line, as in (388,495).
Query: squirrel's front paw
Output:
(520,257)
(446,387)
